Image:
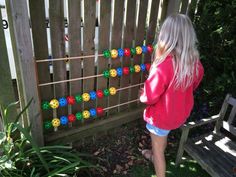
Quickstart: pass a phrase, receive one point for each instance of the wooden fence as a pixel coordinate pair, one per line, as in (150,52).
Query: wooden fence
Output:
(116,24)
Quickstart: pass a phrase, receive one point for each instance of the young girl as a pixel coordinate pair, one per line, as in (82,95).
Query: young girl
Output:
(175,73)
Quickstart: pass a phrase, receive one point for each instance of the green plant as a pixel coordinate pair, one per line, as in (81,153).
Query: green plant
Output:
(20,156)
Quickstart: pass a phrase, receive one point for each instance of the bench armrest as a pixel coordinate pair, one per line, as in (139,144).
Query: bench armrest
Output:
(204,121)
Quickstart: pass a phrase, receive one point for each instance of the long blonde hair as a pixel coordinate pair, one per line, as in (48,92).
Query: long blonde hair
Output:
(177,38)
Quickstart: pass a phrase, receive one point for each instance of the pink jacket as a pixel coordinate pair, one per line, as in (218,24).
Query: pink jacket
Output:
(167,107)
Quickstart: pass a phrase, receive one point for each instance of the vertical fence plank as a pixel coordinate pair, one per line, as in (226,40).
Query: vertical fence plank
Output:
(74,12)
(163,10)
(116,43)
(19,14)
(19,80)
(184,6)
(89,34)
(104,26)
(6,87)
(151,32)
(39,34)
(56,16)
(128,40)
(140,35)
(173,7)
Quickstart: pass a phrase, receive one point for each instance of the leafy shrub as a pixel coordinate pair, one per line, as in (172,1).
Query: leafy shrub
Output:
(21,157)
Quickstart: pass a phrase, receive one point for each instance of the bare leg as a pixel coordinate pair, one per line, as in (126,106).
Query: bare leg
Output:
(158,148)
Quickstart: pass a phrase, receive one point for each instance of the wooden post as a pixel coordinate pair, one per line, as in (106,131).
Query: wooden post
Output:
(19,15)
(6,87)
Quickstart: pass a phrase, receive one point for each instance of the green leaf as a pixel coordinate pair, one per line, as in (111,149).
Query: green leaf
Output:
(2,137)
(34,145)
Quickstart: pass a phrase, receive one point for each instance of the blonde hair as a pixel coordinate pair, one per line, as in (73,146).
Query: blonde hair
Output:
(177,38)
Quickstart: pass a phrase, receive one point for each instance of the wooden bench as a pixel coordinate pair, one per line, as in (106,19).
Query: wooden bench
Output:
(214,151)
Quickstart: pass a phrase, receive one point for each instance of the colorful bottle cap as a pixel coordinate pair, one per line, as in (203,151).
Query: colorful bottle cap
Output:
(106,92)
(47,124)
(106,54)
(138,50)
(100,111)
(125,70)
(62,102)
(71,117)
(55,122)
(79,116)
(112,90)
(120,52)
(86,97)
(45,105)
(78,98)
(143,67)
(106,74)
(144,49)
(64,120)
(70,100)
(93,95)
(119,71)
(114,53)
(126,52)
(86,114)
(99,93)
(133,51)
(137,68)
(131,69)
(113,73)
(54,103)
(93,112)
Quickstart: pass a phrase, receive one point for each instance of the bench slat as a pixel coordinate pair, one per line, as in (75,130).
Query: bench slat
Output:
(210,155)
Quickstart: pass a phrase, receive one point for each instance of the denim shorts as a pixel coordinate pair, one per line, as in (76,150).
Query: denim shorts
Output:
(157,131)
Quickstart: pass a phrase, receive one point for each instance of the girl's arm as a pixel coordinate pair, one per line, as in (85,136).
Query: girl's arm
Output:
(200,76)
(154,86)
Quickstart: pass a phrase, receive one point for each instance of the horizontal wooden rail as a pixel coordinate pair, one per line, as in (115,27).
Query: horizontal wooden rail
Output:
(76,133)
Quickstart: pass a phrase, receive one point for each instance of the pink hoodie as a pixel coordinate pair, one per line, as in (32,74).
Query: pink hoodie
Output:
(167,107)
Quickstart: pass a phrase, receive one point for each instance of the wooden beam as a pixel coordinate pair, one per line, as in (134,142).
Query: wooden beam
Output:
(75,133)
(19,15)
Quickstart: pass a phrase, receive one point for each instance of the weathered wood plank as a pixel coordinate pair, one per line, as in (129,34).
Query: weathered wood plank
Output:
(6,89)
(173,7)
(19,15)
(163,7)
(74,28)
(104,30)
(184,7)
(56,17)
(116,43)
(39,35)
(89,34)
(128,41)
(139,41)
(19,80)
(210,157)
(75,134)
